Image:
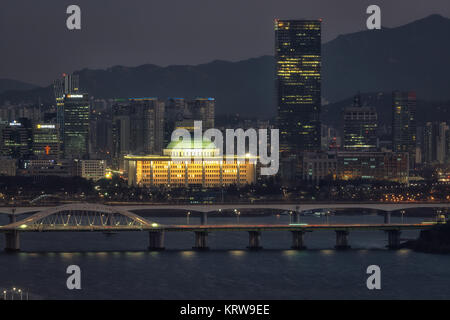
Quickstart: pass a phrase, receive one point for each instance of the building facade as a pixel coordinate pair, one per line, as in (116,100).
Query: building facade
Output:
(360,128)
(73,121)
(389,166)
(17,139)
(46,141)
(404,128)
(298,83)
(190,163)
(90,169)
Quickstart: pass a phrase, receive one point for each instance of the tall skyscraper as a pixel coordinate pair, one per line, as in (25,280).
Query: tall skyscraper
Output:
(298,82)
(404,129)
(69,83)
(360,127)
(73,119)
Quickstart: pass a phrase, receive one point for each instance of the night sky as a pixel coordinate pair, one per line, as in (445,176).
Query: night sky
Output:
(35,45)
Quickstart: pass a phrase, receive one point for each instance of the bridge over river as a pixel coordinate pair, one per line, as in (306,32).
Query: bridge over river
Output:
(84,217)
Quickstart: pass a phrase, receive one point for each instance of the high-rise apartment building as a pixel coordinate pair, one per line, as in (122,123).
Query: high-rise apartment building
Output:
(181,113)
(404,129)
(146,125)
(298,83)
(435,143)
(360,127)
(137,127)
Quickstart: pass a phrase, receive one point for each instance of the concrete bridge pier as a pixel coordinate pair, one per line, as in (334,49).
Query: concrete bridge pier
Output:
(298,240)
(12,241)
(254,240)
(342,240)
(387,217)
(156,240)
(393,239)
(12,218)
(204,218)
(296,217)
(201,238)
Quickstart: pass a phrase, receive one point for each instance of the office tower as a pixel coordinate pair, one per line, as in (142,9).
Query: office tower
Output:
(73,119)
(46,141)
(360,127)
(17,139)
(404,130)
(298,82)
(69,83)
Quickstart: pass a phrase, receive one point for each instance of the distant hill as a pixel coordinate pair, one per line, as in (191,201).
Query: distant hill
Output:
(411,57)
(8,84)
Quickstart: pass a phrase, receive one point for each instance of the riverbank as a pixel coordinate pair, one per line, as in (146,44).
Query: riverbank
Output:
(435,240)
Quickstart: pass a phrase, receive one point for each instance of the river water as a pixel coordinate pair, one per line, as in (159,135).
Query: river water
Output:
(119,267)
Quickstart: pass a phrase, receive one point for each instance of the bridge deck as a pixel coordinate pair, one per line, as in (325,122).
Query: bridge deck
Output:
(232,227)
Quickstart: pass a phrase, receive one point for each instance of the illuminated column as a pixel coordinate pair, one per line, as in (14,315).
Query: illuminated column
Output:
(156,240)
(254,240)
(298,240)
(393,239)
(221,173)
(201,238)
(238,173)
(168,172)
(12,241)
(203,174)
(342,239)
(151,173)
(186,174)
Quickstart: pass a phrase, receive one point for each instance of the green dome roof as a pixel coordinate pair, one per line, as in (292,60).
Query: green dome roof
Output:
(191,144)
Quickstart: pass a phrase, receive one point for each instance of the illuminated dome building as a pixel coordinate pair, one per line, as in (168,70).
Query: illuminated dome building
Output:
(187,163)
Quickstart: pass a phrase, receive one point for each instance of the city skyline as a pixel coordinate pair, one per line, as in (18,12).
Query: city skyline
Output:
(174,183)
